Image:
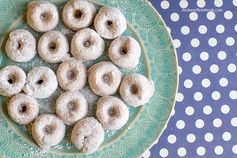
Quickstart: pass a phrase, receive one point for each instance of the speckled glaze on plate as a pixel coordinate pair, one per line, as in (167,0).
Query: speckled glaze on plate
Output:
(158,62)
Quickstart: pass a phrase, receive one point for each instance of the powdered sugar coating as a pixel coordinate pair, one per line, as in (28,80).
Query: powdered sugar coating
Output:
(21,46)
(12,80)
(110,22)
(87,135)
(112,112)
(78,14)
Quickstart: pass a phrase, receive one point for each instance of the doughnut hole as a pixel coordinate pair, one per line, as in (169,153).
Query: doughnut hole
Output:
(22,108)
(78,14)
(134,89)
(112,111)
(40,81)
(123,51)
(109,24)
(45,16)
(12,79)
(87,43)
(52,46)
(71,106)
(19,45)
(72,74)
(107,78)
(48,129)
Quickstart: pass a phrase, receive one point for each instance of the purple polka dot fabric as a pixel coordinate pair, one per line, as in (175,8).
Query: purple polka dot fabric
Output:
(204,120)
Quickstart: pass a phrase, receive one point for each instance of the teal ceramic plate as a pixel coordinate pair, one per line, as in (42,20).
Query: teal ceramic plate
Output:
(158,62)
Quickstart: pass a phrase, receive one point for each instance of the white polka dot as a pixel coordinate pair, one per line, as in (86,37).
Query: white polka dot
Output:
(201,151)
(174,17)
(189,110)
(208,137)
(235,3)
(228,15)
(218,3)
(201,3)
(221,55)
(179,97)
(191,138)
(219,150)
(164,152)
(220,28)
(211,15)
(181,151)
(231,67)
(223,82)
(234,148)
(195,42)
(196,69)
(187,56)
(188,83)
(230,41)
(146,154)
(202,29)
(198,96)
(177,43)
(226,136)
(172,112)
(216,95)
(212,42)
(193,16)
(171,139)
(234,122)
(180,124)
(217,122)
(206,82)
(180,70)
(214,68)
(225,109)
(183,4)
(185,30)
(199,123)
(204,56)
(233,94)
(165,4)
(236,28)
(207,109)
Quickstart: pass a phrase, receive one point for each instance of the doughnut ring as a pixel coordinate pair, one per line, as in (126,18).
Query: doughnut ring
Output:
(12,80)
(125,52)
(53,47)
(110,22)
(23,109)
(48,130)
(78,14)
(71,106)
(21,46)
(87,45)
(41,82)
(136,89)
(42,16)
(112,112)
(87,135)
(104,78)
(71,75)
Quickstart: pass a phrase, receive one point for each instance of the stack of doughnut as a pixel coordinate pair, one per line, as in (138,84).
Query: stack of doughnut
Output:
(104,78)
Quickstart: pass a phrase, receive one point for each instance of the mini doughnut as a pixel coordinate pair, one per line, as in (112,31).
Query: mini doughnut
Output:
(42,16)
(71,75)
(53,47)
(48,130)
(104,78)
(71,106)
(136,89)
(110,22)
(23,109)
(112,112)
(87,135)
(125,52)
(41,82)
(12,80)
(78,14)
(21,46)
(87,45)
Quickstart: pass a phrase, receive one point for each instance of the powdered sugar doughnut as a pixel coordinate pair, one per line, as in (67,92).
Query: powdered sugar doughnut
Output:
(136,89)
(53,47)
(112,112)
(78,14)
(110,22)
(87,135)
(104,78)
(12,80)
(23,109)
(125,52)
(71,106)
(48,130)
(87,45)
(41,82)
(71,75)
(21,46)
(42,16)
